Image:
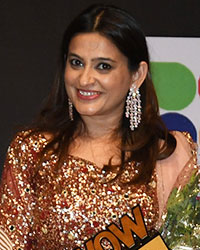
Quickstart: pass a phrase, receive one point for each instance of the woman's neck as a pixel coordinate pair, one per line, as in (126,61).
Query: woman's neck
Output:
(100,128)
(97,141)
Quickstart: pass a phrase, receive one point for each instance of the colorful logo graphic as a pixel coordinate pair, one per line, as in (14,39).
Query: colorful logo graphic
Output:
(176,121)
(175,85)
(176,88)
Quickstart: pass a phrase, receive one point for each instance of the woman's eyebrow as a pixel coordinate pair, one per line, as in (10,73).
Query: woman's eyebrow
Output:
(75,55)
(104,59)
(94,59)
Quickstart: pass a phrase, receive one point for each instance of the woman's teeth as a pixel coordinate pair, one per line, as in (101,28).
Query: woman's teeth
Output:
(90,93)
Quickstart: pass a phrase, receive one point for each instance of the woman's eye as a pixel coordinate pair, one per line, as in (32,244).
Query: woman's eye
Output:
(76,63)
(104,66)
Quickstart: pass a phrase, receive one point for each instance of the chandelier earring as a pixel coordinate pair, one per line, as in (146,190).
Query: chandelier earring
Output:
(70,109)
(133,107)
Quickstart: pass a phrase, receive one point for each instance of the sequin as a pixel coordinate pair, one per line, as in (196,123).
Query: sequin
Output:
(60,210)
(12,228)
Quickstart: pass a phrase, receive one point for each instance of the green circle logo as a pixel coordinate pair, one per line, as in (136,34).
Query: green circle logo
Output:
(175,84)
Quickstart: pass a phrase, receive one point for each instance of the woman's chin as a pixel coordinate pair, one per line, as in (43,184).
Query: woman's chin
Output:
(87,112)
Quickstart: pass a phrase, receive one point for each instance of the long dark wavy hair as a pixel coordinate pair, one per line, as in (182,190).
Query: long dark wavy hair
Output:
(144,143)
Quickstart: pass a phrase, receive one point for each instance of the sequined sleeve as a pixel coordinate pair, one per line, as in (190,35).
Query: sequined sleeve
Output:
(16,194)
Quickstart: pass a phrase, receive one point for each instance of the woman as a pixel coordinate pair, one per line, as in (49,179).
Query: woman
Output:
(99,146)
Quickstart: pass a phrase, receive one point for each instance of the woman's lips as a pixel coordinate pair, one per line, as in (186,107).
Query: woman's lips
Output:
(88,94)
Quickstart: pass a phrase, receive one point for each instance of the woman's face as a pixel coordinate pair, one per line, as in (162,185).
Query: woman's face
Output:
(97,77)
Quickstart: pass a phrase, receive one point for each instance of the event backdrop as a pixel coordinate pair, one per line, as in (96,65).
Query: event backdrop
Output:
(176,72)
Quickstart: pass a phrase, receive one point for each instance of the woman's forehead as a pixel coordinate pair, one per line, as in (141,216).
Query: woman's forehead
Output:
(94,45)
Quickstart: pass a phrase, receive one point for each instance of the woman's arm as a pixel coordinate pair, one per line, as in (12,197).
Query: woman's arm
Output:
(176,170)
(17,194)
(178,192)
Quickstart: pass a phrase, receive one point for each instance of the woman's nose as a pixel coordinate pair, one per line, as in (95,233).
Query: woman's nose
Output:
(86,77)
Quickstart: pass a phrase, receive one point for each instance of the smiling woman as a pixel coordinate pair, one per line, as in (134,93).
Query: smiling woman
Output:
(97,84)
(98,147)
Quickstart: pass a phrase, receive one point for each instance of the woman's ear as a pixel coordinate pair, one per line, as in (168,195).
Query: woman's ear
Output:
(139,76)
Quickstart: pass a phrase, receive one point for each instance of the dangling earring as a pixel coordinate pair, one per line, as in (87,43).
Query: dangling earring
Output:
(70,109)
(133,107)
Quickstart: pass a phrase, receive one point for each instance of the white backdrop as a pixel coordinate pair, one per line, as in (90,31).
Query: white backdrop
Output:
(176,61)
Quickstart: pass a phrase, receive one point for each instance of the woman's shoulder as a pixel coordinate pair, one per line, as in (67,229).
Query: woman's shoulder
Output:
(185,157)
(29,139)
(176,170)
(185,151)
(27,145)
(24,152)
(185,145)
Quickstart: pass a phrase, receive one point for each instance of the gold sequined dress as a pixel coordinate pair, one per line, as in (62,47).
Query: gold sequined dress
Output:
(45,208)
